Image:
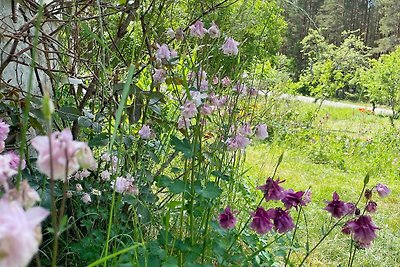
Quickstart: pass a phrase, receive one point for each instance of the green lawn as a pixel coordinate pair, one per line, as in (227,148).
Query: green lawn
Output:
(335,156)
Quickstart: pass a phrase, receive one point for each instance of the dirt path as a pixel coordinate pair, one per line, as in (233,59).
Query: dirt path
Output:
(329,103)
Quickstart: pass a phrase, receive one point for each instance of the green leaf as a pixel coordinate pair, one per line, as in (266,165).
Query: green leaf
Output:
(84,122)
(177,187)
(171,261)
(68,113)
(99,140)
(211,190)
(183,146)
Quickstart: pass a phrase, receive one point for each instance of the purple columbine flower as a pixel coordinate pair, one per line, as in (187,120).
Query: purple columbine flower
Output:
(383,190)
(282,221)
(293,199)
(371,206)
(337,207)
(351,208)
(272,190)
(362,229)
(262,220)
(227,219)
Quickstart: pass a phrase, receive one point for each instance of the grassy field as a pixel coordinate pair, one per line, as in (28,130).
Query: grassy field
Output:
(335,154)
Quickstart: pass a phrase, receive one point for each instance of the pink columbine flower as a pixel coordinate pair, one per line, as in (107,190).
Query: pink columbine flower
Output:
(197,97)
(213,31)
(262,220)
(230,47)
(337,207)
(189,109)
(215,80)
(4,130)
(272,190)
(293,199)
(246,129)
(159,75)
(86,198)
(227,219)
(362,230)
(261,132)
(19,232)
(105,175)
(145,132)
(197,29)
(240,88)
(383,190)
(206,109)
(253,91)
(282,221)
(106,157)
(14,164)
(226,81)
(66,157)
(237,142)
(163,52)
(120,184)
(6,171)
(183,123)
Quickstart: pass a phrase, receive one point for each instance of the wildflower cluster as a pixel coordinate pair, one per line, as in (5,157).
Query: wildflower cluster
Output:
(20,230)
(361,227)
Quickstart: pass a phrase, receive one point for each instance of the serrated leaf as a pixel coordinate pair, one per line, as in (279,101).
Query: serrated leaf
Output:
(182,146)
(84,122)
(68,113)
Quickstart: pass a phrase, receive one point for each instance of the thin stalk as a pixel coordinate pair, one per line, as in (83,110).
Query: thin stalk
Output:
(294,235)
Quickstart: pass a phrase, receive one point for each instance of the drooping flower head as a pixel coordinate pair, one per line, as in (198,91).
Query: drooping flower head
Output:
(293,199)
(86,198)
(19,232)
(189,109)
(227,219)
(336,207)
(282,221)
(272,190)
(230,47)
(163,52)
(362,229)
(371,206)
(245,129)
(261,131)
(226,81)
(159,75)
(146,132)
(213,31)
(262,220)
(383,190)
(237,142)
(197,29)
(66,154)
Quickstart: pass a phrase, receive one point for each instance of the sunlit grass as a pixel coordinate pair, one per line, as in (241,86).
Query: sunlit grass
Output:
(300,172)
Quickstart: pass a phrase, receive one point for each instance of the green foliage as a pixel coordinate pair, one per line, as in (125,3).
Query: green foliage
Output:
(382,81)
(333,70)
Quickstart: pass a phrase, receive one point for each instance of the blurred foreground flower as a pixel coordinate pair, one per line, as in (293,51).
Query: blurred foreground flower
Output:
(20,233)
(64,156)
